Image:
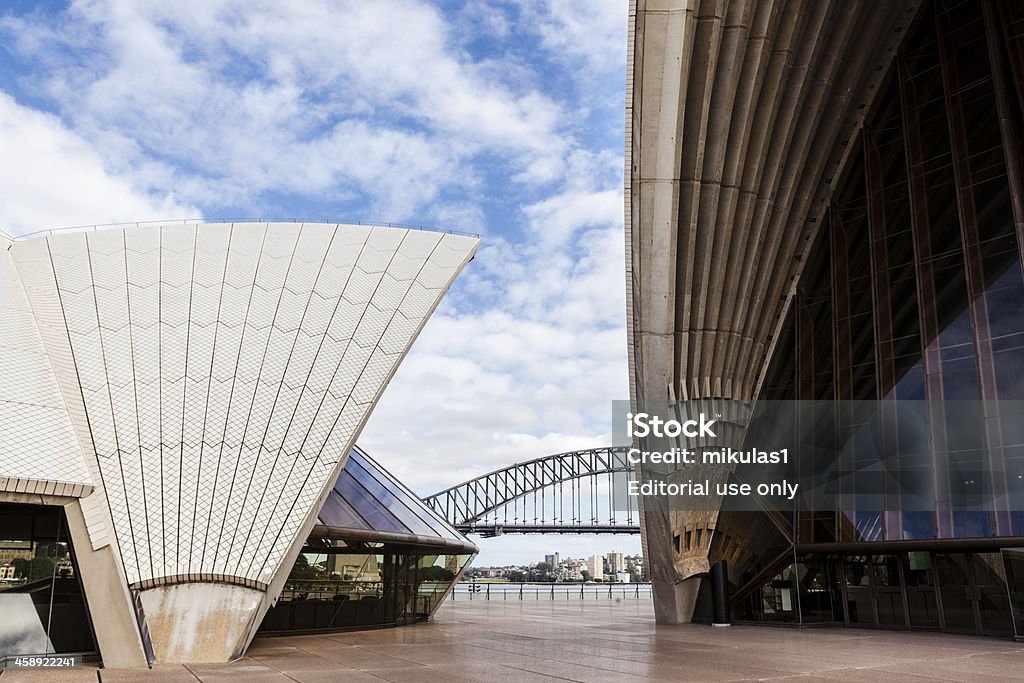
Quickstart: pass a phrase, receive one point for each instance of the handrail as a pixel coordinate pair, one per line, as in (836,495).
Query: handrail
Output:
(199,221)
(548,590)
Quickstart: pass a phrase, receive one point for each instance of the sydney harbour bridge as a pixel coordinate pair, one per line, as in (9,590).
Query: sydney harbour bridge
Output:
(567,493)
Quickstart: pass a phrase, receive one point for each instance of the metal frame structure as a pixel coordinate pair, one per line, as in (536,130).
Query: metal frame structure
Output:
(535,494)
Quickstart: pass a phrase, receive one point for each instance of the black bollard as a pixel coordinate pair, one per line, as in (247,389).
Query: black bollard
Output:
(720,594)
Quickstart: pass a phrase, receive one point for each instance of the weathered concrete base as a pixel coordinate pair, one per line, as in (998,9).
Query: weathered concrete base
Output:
(674,602)
(199,622)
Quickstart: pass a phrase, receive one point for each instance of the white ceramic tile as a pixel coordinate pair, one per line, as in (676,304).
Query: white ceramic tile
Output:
(222,373)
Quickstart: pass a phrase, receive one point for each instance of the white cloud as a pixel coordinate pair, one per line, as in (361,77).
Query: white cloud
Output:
(51,177)
(593,32)
(307,98)
(533,373)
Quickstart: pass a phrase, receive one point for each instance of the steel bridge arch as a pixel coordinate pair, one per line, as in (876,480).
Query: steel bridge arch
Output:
(465,505)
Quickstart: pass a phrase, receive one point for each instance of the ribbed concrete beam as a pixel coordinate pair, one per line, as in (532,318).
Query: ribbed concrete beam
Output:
(738,114)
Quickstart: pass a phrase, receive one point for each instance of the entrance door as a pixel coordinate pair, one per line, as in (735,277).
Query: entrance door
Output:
(860,604)
(919,579)
(956,586)
(874,591)
(1013,561)
(991,595)
(888,591)
(974,593)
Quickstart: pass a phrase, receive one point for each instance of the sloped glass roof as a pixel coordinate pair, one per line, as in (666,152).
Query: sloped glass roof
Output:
(368,501)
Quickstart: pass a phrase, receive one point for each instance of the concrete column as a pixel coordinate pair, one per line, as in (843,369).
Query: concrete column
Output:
(107,596)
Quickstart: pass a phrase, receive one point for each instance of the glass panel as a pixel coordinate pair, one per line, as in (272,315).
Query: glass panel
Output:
(955,585)
(437,574)
(992,598)
(365,496)
(41,602)
(329,590)
(816,590)
(860,607)
(1013,560)
(397,503)
(368,507)
(888,591)
(776,600)
(920,584)
(336,512)
(412,502)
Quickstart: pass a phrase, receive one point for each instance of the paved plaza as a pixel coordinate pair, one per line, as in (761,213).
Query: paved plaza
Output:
(592,641)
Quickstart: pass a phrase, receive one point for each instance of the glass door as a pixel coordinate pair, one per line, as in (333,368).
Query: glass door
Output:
(1013,561)
(956,588)
(919,579)
(975,597)
(991,593)
(860,603)
(888,591)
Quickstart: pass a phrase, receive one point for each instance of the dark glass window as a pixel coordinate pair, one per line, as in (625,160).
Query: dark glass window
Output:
(914,288)
(337,588)
(368,507)
(397,500)
(42,609)
(337,512)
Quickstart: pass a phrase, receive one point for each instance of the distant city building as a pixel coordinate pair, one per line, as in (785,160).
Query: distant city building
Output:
(616,562)
(8,555)
(552,560)
(595,566)
(492,572)
(574,569)
(354,567)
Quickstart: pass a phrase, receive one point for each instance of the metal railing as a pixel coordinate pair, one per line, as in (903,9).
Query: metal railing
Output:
(199,221)
(550,591)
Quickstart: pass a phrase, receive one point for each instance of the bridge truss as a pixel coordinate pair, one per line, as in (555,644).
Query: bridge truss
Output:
(581,492)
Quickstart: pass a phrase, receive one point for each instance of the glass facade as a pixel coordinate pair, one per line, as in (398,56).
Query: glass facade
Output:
(377,557)
(913,292)
(42,609)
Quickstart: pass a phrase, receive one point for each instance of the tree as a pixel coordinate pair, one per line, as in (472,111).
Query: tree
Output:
(435,573)
(21,567)
(586,575)
(301,570)
(39,567)
(541,572)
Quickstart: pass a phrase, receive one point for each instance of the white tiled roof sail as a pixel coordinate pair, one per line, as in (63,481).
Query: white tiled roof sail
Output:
(39,452)
(226,369)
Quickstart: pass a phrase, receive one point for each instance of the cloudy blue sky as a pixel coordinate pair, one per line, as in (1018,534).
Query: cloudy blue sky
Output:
(503,118)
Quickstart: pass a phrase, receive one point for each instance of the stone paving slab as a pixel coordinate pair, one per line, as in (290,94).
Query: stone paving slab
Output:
(590,641)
